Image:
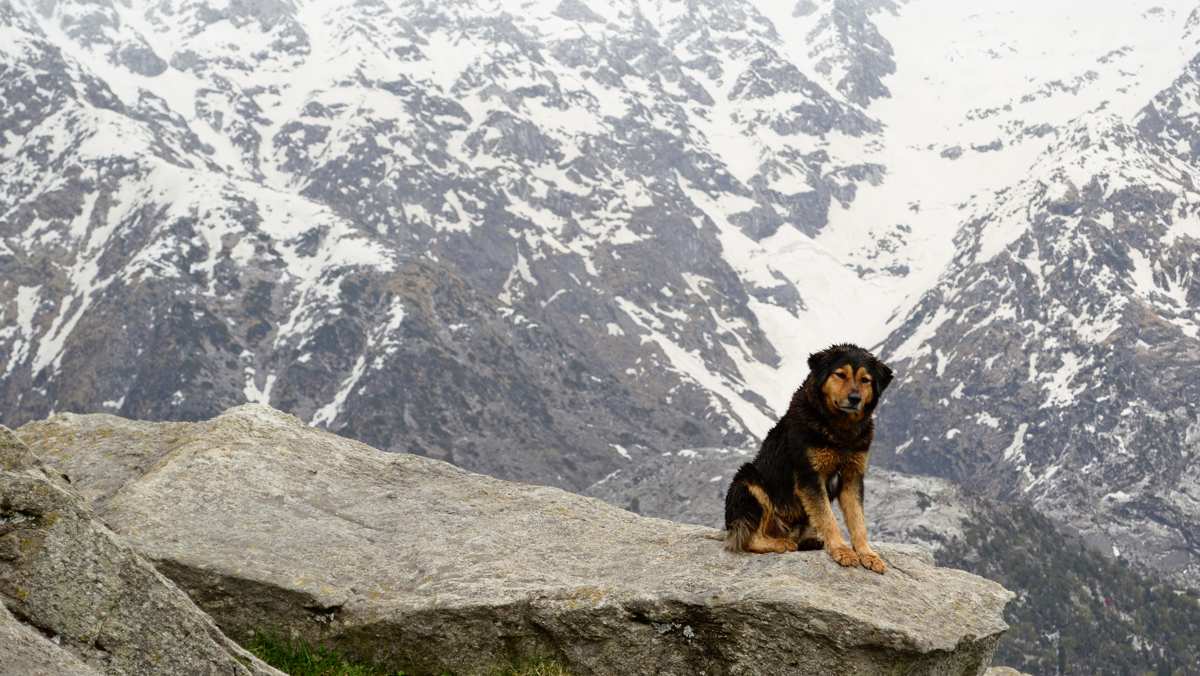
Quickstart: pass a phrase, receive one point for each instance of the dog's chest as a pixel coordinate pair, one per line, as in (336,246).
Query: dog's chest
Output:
(827,462)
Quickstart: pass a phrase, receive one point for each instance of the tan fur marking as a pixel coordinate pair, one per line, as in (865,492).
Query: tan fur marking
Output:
(825,461)
(764,538)
(836,388)
(854,465)
(864,387)
(768,509)
(761,544)
(820,516)
(856,522)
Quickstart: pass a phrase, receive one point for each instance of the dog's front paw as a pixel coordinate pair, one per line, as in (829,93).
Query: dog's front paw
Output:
(871,561)
(844,555)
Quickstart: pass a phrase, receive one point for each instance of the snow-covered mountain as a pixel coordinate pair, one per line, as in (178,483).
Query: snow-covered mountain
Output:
(480,233)
(1071,343)
(1054,358)
(549,239)
(485,233)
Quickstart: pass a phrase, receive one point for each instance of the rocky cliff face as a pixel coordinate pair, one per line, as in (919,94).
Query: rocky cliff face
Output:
(414,563)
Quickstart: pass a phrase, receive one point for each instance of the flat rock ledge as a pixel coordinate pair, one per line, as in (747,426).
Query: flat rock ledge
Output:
(75,599)
(269,524)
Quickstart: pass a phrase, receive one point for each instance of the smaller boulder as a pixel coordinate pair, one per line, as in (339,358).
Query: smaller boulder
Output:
(75,596)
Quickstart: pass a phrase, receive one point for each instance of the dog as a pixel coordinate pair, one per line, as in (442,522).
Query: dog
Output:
(817,451)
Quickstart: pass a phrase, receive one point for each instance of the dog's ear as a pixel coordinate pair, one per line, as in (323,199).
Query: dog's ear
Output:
(819,361)
(883,375)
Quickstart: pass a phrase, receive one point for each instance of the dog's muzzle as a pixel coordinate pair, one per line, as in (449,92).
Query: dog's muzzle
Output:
(853,404)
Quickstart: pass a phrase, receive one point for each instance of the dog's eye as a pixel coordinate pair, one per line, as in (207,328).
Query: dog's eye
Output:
(866,380)
(839,375)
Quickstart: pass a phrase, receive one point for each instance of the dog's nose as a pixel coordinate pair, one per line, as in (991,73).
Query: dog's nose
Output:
(854,398)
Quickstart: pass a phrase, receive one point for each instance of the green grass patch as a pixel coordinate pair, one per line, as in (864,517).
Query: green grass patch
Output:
(298,658)
(534,668)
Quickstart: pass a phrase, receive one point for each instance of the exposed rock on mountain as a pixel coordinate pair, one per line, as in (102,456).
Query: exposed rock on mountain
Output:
(75,599)
(409,561)
(842,43)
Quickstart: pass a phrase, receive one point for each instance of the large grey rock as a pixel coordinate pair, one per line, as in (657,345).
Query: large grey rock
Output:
(415,563)
(77,600)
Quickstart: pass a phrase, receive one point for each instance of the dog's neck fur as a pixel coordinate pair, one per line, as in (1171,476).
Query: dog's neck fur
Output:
(843,434)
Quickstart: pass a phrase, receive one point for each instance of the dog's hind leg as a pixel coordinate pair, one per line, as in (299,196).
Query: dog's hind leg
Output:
(742,517)
(750,517)
(765,544)
(743,536)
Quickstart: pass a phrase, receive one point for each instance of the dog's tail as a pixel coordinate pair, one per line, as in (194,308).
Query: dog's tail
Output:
(742,509)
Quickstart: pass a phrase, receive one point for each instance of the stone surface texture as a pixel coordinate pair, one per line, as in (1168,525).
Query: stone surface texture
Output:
(23,650)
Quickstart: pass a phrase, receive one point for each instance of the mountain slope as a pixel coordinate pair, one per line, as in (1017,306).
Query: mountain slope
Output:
(1053,360)
(392,219)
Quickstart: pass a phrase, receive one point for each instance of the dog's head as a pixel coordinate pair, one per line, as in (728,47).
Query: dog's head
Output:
(847,380)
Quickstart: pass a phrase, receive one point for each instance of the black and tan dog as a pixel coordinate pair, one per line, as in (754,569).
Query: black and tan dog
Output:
(817,451)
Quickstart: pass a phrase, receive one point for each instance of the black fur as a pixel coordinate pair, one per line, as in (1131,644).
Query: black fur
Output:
(782,465)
